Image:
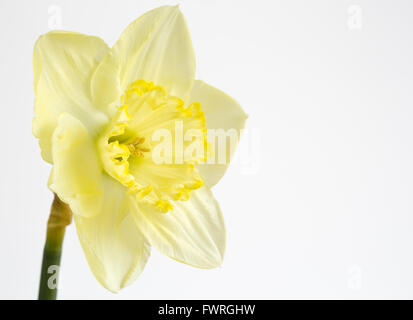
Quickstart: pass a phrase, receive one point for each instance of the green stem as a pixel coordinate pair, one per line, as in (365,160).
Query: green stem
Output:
(60,217)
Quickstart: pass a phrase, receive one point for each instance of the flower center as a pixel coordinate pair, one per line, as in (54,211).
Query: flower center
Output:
(127,147)
(136,147)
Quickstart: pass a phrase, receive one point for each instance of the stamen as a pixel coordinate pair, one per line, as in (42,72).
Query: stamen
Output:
(135,147)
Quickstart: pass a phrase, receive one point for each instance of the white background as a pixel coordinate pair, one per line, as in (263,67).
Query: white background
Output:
(323,206)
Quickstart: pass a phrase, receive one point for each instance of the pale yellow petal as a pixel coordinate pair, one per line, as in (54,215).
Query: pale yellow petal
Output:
(115,248)
(63,63)
(77,176)
(156,47)
(193,233)
(226,118)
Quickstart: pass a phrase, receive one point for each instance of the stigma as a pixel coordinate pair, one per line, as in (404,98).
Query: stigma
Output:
(136,147)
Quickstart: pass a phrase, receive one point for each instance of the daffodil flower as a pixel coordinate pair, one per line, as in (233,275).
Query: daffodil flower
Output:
(97,111)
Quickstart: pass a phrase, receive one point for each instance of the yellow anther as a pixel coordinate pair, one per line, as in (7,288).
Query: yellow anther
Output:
(136,148)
